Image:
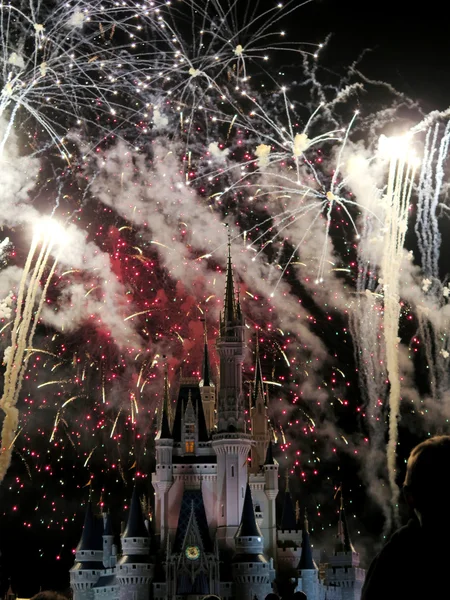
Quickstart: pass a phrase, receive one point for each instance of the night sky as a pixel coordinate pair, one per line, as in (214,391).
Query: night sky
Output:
(409,49)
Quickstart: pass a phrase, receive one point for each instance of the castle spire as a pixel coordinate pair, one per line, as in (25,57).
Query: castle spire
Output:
(258,386)
(269,455)
(344,543)
(288,520)
(248,527)
(135,526)
(206,370)
(252,572)
(306,559)
(229,312)
(91,535)
(164,430)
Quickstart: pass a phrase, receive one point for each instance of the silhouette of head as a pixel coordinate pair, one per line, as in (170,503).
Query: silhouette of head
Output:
(427,481)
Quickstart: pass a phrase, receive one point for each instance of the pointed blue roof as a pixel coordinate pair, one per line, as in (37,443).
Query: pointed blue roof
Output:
(269,455)
(192,502)
(249,526)
(306,559)
(136,524)
(229,312)
(206,371)
(258,386)
(344,543)
(91,537)
(164,432)
(288,518)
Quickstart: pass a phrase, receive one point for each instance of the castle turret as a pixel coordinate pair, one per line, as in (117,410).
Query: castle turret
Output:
(134,569)
(252,572)
(288,517)
(270,469)
(162,479)
(88,558)
(259,417)
(231,443)
(109,548)
(344,570)
(208,390)
(289,536)
(308,572)
(230,346)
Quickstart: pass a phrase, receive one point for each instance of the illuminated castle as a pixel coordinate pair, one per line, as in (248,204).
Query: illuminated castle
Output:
(215,523)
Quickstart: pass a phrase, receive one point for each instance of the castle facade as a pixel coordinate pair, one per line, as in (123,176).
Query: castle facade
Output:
(215,527)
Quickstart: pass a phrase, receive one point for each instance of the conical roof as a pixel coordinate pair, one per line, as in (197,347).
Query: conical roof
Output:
(269,455)
(206,369)
(136,525)
(91,537)
(164,431)
(344,543)
(258,386)
(248,526)
(288,519)
(229,312)
(306,559)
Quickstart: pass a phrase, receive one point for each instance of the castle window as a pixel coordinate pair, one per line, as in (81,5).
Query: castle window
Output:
(190,447)
(242,492)
(223,510)
(190,427)
(232,471)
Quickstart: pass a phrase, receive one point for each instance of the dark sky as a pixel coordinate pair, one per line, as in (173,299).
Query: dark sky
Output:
(410,49)
(410,42)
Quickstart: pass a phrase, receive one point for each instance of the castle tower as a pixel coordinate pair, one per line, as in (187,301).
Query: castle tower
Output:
(230,346)
(231,443)
(162,479)
(208,390)
(289,540)
(252,572)
(344,570)
(88,558)
(134,569)
(109,548)
(308,572)
(270,469)
(259,417)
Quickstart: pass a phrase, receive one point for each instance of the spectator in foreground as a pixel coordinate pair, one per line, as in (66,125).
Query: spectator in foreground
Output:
(414,563)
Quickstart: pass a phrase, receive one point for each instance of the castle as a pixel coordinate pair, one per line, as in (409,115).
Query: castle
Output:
(215,527)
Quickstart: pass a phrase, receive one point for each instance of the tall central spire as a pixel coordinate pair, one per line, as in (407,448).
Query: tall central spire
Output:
(258,385)
(206,373)
(230,300)
(164,428)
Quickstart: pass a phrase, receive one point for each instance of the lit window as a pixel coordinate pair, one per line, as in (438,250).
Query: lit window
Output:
(190,447)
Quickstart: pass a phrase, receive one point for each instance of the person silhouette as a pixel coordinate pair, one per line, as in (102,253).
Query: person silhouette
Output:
(414,563)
